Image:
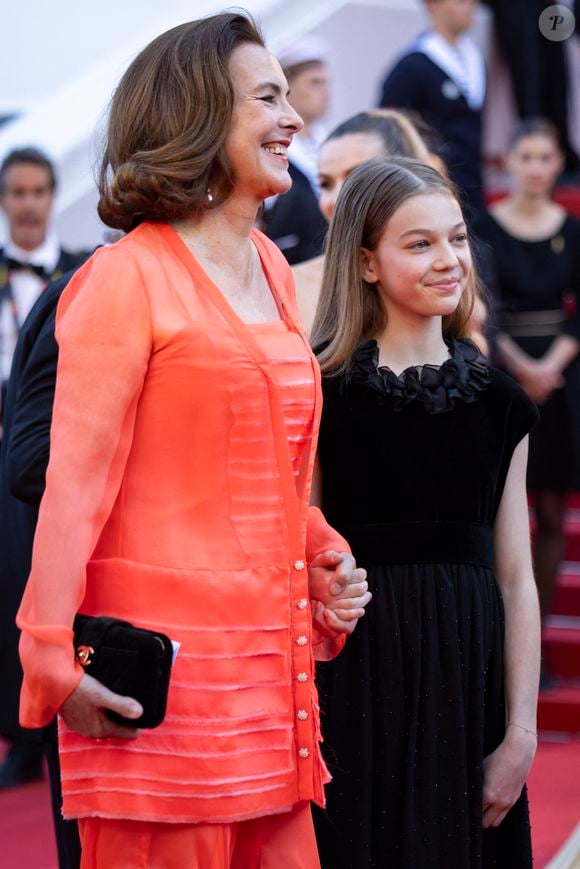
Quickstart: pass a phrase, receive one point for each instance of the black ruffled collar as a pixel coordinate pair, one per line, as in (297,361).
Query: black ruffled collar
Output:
(436,387)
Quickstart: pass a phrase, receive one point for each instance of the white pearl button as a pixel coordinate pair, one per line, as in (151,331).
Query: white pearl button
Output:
(302,603)
(304,752)
(302,714)
(301,641)
(302,677)
(299,565)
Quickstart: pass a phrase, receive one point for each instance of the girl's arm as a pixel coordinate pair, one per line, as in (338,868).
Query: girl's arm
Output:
(539,377)
(513,357)
(507,767)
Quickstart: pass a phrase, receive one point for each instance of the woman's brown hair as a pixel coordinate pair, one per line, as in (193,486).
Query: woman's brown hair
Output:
(168,121)
(350,309)
(396,132)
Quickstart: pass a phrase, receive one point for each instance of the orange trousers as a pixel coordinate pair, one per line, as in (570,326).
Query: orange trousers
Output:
(284,841)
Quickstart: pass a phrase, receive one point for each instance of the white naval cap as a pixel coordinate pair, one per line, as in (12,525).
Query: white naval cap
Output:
(306,49)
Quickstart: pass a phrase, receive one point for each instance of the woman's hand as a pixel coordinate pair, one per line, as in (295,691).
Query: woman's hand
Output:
(330,573)
(338,591)
(505,772)
(84,711)
(539,379)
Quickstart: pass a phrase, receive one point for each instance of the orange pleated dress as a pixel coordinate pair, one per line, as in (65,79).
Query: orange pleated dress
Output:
(182,450)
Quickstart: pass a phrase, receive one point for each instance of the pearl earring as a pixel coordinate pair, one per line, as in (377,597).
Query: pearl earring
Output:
(209,195)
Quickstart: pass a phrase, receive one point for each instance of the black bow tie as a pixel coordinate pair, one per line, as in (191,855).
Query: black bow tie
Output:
(14,265)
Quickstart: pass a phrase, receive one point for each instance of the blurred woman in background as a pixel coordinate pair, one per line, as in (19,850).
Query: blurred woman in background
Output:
(379,133)
(535,251)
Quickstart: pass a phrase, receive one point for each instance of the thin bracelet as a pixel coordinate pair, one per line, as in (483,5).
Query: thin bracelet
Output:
(533,732)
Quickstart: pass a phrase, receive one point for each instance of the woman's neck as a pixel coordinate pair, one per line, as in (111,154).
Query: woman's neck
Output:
(529,205)
(409,340)
(222,233)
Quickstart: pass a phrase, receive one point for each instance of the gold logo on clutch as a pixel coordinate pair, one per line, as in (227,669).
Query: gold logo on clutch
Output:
(558,244)
(84,655)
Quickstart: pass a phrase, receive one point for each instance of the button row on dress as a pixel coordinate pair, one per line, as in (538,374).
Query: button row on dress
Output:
(302,715)
(302,603)
(299,565)
(304,752)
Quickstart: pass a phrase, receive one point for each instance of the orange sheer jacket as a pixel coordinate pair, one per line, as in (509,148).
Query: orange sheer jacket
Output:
(171,501)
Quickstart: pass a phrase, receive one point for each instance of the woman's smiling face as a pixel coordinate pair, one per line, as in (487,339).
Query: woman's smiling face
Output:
(263,123)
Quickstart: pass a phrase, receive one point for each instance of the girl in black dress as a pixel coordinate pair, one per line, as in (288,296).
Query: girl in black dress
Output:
(535,250)
(429,712)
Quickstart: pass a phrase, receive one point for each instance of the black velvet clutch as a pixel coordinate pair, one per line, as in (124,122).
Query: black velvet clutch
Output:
(130,661)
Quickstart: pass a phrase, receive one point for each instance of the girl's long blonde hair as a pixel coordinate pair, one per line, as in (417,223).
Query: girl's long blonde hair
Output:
(350,310)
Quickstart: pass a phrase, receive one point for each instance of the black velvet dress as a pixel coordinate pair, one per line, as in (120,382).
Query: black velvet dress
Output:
(413,469)
(531,283)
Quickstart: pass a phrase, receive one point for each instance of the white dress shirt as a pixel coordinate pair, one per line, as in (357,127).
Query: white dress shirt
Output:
(26,287)
(462,62)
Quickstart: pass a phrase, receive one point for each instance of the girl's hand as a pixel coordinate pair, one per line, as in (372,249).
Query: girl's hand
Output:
(329,624)
(84,711)
(505,772)
(329,574)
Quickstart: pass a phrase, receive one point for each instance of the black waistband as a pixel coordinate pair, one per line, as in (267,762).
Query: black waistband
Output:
(533,324)
(414,542)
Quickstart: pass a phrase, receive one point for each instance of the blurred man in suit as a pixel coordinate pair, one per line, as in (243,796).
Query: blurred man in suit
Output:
(30,259)
(23,462)
(32,255)
(442,77)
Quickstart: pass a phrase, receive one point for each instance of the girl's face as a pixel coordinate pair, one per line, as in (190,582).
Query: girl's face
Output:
(338,158)
(263,123)
(422,260)
(535,163)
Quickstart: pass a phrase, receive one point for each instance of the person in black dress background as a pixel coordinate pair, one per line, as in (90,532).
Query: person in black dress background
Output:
(429,712)
(535,250)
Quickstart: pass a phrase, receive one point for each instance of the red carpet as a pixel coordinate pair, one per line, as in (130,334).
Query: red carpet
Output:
(26,823)
(554,798)
(26,829)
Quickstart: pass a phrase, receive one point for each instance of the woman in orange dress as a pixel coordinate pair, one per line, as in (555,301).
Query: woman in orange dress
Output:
(184,431)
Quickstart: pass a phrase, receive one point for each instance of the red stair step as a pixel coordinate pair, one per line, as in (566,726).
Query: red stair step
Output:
(567,596)
(569,197)
(559,710)
(572,540)
(562,651)
(572,544)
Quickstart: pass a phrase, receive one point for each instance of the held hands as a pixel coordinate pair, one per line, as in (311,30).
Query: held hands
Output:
(84,711)
(339,592)
(505,771)
(540,378)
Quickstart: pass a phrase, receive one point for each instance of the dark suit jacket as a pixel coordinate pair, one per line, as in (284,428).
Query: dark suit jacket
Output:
(417,83)
(66,261)
(295,222)
(23,461)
